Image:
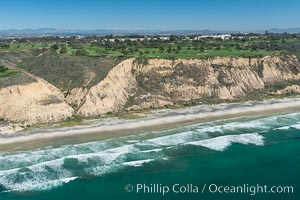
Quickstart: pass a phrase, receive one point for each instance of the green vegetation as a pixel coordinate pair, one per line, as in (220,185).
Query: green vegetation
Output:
(128,114)
(5,72)
(14,77)
(3,69)
(74,62)
(73,121)
(70,63)
(68,72)
(163,49)
(250,45)
(8,72)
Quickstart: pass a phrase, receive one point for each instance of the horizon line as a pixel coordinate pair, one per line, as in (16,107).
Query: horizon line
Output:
(156,29)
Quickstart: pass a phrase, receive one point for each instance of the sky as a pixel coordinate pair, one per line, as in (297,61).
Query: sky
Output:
(150,14)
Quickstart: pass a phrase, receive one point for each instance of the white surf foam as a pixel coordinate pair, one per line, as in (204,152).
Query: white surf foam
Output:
(51,173)
(172,139)
(45,169)
(295,126)
(137,163)
(222,142)
(133,141)
(37,186)
(151,150)
(203,132)
(283,128)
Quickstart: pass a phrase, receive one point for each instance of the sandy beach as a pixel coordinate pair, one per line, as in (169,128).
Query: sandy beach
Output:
(158,120)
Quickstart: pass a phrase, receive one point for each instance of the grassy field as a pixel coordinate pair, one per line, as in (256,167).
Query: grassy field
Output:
(205,48)
(185,52)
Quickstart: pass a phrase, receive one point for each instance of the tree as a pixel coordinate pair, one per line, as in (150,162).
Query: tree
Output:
(173,38)
(54,47)
(202,49)
(161,49)
(238,47)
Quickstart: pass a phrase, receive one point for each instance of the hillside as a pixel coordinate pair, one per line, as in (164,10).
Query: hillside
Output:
(156,83)
(51,88)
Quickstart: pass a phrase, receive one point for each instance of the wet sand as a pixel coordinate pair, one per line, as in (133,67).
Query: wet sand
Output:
(159,120)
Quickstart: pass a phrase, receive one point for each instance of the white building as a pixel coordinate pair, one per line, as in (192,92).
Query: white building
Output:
(164,38)
(222,36)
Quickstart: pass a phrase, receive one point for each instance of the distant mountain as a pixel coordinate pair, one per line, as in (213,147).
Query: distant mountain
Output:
(66,32)
(284,30)
(101,32)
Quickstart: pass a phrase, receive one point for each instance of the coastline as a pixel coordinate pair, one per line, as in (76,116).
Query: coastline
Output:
(158,120)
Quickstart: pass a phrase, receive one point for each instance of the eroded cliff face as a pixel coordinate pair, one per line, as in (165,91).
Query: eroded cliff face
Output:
(134,84)
(160,82)
(32,103)
(112,93)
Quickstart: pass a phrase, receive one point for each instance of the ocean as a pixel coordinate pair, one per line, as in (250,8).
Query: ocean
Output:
(199,160)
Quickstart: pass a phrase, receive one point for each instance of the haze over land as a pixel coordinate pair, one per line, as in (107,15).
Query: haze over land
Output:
(103,32)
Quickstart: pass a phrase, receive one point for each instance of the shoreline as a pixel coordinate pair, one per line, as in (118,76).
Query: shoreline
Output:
(158,120)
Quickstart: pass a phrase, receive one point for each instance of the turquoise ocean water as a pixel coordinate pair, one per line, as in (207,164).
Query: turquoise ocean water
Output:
(252,150)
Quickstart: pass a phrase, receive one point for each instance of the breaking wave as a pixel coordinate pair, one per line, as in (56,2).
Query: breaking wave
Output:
(222,142)
(50,167)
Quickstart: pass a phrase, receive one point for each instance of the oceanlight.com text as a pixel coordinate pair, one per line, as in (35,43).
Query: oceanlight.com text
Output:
(176,188)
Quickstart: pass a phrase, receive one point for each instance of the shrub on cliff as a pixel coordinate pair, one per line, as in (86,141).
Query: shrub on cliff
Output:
(3,69)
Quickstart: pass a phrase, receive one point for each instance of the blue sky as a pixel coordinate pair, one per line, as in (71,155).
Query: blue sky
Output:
(150,14)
